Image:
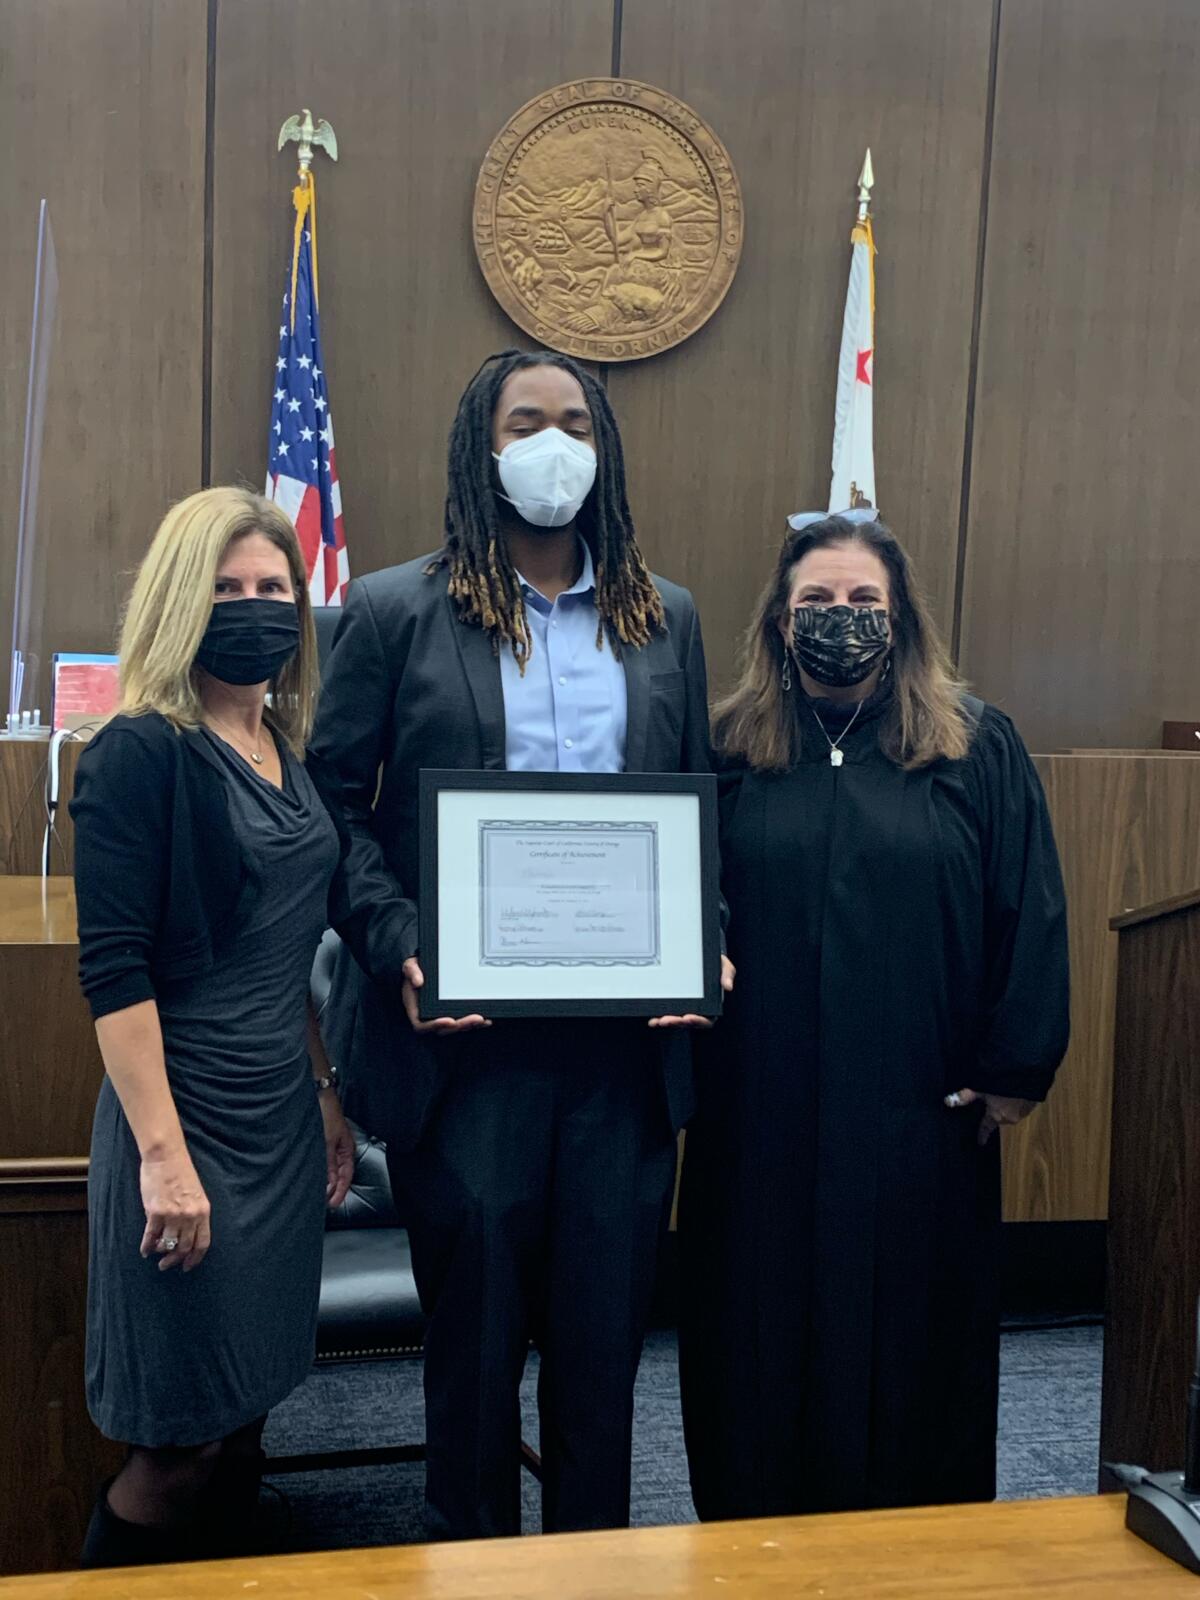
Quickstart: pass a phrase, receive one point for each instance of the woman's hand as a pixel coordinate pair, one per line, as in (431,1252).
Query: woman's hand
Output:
(177,1211)
(728,975)
(1000,1111)
(414,979)
(339,1149)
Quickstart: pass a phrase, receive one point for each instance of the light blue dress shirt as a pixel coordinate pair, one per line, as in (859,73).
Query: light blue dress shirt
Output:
(569,712)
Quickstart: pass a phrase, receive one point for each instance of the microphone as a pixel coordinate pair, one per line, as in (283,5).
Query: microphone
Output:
(52,789)
(1164,1507)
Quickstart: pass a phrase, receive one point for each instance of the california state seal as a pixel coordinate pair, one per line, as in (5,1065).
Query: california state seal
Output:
(608,219)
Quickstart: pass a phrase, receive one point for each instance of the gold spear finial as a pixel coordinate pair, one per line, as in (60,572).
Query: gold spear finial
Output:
(306,135)
(866,182)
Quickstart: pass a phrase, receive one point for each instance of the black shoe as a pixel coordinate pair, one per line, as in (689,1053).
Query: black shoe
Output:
(110,1541)
(235,1522)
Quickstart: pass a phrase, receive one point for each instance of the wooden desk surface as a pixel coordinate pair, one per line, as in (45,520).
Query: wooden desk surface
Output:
(37,911)
(1151,913)
(1059,1548)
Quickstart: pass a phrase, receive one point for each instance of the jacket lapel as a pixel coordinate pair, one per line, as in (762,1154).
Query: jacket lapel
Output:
(198,745)
(637,696)
(482,668)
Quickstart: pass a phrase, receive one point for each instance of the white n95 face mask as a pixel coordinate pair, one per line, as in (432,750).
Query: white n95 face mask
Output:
(546,477)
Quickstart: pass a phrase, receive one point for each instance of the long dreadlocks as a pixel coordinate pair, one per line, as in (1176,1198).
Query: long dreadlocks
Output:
(483,581)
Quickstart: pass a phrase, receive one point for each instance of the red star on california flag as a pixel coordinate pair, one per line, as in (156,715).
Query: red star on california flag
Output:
(863,374)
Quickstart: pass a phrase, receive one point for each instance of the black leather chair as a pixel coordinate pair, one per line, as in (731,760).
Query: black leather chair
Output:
(369,1304)
(369,1308)
(325,620)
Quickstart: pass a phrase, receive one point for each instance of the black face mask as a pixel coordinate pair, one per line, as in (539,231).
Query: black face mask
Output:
(249,641)
(839,646)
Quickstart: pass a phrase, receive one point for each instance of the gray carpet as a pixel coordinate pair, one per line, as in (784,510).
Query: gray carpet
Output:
(1049,1434)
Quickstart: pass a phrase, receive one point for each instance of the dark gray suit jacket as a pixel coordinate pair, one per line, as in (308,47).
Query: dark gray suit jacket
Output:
(408,685)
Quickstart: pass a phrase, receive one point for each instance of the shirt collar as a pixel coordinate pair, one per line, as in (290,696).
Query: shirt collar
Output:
(586,580)
(584,584)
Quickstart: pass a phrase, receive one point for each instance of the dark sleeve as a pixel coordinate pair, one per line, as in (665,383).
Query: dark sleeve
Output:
(1026,983)
(697,745)
(324,781)
(730,770)
(122,808)
(697,727)
(376,918)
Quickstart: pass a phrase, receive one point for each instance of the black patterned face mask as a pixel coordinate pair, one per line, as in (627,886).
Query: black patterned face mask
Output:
(839,646)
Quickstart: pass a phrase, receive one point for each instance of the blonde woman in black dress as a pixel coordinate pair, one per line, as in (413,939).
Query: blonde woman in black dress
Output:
(206,860)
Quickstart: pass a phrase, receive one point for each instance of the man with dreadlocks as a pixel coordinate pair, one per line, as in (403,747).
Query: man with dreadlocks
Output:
(532,1161)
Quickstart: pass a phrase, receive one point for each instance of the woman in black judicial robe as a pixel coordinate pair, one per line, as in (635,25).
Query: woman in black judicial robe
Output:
(898,926)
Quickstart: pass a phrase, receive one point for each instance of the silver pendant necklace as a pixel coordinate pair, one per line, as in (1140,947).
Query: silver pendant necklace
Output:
(836,754)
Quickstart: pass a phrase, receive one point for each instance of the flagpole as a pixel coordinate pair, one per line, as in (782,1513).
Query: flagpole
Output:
(310,136)
(864,226)
(302,475)
(852,484)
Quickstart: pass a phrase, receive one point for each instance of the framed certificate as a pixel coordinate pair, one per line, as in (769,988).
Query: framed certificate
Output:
(547,894)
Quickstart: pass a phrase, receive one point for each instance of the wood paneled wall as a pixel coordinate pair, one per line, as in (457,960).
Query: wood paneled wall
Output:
(734,431)
(1035,402)
(1083,565)
(102,112)
(1128,829)
(416,90)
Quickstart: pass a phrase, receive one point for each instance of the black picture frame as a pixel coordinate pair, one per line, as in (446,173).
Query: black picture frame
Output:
(434,781)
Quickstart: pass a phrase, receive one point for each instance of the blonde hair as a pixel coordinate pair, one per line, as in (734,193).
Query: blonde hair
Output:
(172,602)
(926,721)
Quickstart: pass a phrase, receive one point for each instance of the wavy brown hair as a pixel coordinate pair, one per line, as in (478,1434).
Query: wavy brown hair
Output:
(926,721)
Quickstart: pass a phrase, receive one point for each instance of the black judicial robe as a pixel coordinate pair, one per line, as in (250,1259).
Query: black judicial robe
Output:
(898,935)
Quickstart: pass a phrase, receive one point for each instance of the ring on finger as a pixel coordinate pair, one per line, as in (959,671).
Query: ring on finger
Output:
(166,1245)
(954,1100)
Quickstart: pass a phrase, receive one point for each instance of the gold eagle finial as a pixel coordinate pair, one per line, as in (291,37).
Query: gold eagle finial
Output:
(308,136)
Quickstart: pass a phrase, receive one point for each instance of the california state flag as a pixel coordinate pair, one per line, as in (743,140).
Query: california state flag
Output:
(853,429)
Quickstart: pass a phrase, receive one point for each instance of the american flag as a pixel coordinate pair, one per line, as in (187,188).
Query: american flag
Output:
(301,460)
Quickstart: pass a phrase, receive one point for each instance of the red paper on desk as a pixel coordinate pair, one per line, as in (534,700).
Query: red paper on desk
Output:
(87,689)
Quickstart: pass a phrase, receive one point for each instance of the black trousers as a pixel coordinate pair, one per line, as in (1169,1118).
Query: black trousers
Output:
(535,1204)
